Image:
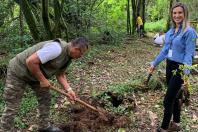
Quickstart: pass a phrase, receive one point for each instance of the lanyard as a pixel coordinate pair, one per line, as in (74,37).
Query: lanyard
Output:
(172,37)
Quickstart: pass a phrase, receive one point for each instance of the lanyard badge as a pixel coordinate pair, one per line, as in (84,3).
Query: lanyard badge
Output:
(170,51)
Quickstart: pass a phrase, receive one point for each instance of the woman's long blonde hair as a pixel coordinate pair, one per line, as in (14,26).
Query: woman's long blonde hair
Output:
(185,23)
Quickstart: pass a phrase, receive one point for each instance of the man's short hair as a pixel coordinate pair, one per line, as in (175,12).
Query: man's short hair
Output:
(80,42)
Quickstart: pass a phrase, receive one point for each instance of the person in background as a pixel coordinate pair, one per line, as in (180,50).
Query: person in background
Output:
(33,67)
(139,25)
(178,49)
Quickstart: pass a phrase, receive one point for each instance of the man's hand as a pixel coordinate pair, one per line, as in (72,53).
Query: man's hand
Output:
(45,84)
(72,94)
(63,81)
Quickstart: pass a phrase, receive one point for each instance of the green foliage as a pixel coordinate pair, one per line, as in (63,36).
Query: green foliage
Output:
(157,10)
(192,7)
(121,110)
(112,15)
(123,88)
(2,13)
(94,93)
(6,11)
(19,123)
(29,102)
(54,95)
(11,39)
(156,84)
(121,130)
(185,76)
(156,26)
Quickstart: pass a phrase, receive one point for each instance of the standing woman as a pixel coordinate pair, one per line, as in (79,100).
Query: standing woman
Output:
(179,49)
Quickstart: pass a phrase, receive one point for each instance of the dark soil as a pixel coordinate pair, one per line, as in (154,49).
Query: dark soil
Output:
(83,119)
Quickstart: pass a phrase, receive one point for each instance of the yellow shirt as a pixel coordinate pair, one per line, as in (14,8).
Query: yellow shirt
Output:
(139,20)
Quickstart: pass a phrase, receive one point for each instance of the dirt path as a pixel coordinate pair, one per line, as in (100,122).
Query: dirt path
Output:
(114,64)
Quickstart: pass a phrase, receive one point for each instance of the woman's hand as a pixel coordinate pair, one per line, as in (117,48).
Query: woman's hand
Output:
(151,69)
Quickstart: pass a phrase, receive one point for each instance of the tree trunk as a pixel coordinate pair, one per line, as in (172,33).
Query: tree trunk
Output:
(21,31)
(65,27)
(63,24)
(168,24)
(128,18)
(30,19)
(139,9)
(45,17)
(36,11)
(134,15)
(57,12)
(143,13)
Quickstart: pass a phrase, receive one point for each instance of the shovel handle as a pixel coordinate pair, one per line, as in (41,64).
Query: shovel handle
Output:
(148,78)
(77,99)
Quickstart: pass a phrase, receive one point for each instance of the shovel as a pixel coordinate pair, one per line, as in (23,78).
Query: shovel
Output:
(148,79)
(81,102)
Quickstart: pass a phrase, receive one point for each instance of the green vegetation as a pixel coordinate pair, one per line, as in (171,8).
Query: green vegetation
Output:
(156,26)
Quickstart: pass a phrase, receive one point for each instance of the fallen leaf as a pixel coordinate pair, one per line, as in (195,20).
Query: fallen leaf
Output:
(154,119)
(194,117)
(32,128)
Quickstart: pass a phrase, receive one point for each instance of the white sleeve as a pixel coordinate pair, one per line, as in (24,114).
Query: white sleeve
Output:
(49,52)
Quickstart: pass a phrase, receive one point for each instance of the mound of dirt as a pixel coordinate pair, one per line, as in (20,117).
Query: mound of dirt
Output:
(83,119)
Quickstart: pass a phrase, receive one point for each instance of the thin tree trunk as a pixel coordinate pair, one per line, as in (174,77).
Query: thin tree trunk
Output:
(63,24)
(36,11)
(133,2)
(57,12)
(45,17)
(128,18)
(143,13)
(139,6)
(168,24)
(21,31)
(30,19)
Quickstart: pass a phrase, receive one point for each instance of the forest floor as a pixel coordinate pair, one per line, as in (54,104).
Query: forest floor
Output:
(114,66)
